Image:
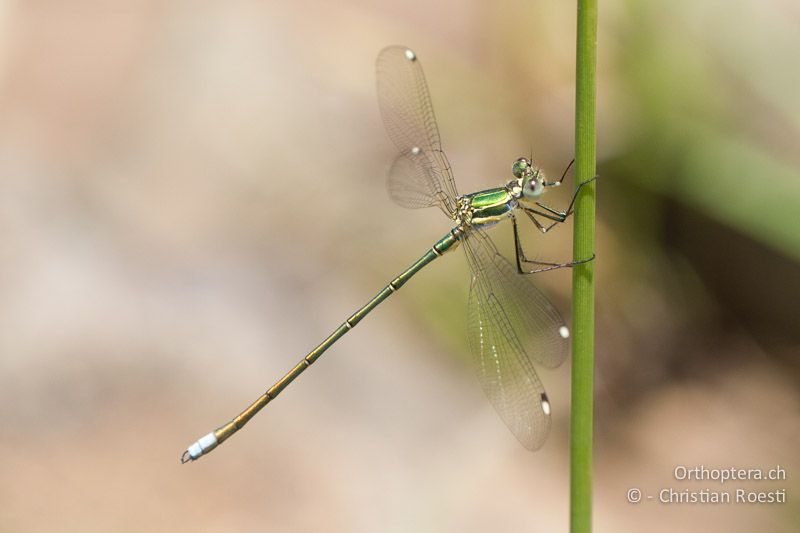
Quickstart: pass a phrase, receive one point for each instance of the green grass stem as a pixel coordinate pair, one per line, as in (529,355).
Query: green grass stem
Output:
(581,415)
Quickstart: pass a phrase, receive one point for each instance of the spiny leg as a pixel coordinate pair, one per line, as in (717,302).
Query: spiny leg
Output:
(542,228)
(546,265)
(560,216)
(559,180)
(552,214)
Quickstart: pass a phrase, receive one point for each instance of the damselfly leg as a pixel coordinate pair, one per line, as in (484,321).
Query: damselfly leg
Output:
(545,265)
(557,217)
(553,214)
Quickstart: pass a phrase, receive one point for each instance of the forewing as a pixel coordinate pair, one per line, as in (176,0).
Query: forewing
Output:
(409,120)
(510,324)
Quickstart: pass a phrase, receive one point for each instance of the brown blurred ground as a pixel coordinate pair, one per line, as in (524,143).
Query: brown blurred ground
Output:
(191,197)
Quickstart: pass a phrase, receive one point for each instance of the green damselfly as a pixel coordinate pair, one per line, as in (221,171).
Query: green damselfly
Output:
(511,323)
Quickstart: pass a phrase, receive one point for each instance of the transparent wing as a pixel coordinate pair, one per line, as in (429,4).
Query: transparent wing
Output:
(512,324)
(410,184)
(421,174)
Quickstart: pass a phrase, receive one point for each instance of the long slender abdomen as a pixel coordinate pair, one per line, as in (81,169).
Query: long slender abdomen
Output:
(207,443)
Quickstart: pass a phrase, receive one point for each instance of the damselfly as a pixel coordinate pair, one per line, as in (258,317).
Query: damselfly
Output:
(511,324)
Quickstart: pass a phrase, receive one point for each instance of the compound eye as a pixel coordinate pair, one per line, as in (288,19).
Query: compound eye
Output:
(519,167)
(533,188)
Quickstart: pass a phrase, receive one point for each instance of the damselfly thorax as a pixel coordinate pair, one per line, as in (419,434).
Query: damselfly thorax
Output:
(484,209)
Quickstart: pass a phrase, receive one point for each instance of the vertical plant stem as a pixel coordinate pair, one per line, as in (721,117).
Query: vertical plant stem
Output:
(581,418)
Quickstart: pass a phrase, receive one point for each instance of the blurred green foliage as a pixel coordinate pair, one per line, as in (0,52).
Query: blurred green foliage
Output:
(716,130)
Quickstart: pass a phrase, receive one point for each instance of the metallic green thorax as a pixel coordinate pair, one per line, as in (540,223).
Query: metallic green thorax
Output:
(487,207)
(446,243)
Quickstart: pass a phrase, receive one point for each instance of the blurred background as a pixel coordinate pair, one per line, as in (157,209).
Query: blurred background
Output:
(192,197)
